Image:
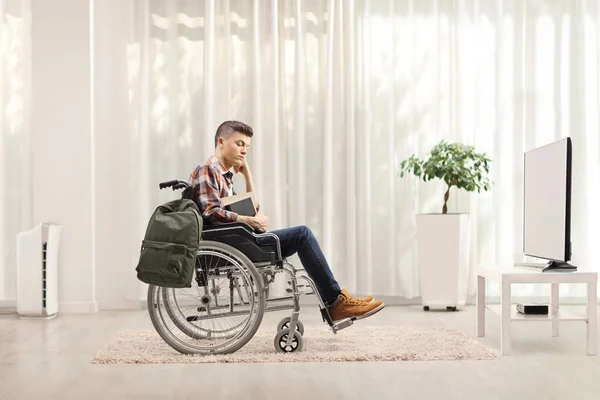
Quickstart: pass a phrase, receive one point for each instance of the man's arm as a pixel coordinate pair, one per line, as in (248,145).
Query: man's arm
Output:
(250,188)
(206,191)
(245,170)
(260,222)
(205,183)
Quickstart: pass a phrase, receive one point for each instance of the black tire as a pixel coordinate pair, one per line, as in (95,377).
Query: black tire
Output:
(285,323)
(425,308)
(281,338)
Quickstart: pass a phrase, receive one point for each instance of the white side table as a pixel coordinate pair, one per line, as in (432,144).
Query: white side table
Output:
(509,274)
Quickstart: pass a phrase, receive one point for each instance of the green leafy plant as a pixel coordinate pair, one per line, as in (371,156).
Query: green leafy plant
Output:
(454,163)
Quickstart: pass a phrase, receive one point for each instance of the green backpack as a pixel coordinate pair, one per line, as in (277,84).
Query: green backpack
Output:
(169,247)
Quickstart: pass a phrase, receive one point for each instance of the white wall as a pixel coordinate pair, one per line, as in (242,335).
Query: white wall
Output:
(15,154)
(61,142)
(81,153)
(117,239)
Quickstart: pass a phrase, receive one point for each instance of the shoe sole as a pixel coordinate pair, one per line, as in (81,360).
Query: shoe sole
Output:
(372,312)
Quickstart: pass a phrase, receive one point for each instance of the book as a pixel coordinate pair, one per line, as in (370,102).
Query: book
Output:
(242,204)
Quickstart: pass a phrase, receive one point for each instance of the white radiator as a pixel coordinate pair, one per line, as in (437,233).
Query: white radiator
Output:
(37,271)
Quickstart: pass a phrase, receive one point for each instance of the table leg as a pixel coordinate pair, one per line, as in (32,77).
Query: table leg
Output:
(505,320)
(480,321)
(592,314)
(554,309)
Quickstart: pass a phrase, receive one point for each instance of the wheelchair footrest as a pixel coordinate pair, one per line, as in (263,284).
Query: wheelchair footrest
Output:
(343,323)
(338,325)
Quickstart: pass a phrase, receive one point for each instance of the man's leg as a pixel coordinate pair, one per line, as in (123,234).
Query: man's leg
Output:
(300,239)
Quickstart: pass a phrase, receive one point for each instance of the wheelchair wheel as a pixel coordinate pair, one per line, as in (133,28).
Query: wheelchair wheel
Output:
(182,322)
(285,324)
(281,345)
(222,310)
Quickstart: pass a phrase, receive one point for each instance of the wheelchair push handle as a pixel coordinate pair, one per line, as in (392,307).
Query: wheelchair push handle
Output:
(175,184)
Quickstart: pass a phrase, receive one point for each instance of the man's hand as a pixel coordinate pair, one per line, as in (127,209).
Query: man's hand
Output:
(260,221)
(243,168)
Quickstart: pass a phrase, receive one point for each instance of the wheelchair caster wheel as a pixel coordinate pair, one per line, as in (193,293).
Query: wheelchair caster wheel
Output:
(451,308)
(281,345)
(425,308)
(285,323)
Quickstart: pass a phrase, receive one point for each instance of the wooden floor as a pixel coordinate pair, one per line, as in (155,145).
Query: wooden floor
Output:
(51,360)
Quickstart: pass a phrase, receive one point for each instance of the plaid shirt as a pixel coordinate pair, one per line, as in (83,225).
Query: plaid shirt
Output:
(211,182)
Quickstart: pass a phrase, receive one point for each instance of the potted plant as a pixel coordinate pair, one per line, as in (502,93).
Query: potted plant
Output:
(443,238)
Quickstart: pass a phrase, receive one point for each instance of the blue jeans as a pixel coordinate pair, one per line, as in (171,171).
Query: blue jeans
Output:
(300,239)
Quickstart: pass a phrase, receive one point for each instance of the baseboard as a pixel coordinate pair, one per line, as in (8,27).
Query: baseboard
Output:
(83,307)
(8,307)
(125,304)
(67,308)
(8,303)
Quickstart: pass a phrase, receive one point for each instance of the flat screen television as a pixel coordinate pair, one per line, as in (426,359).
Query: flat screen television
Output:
(547,205)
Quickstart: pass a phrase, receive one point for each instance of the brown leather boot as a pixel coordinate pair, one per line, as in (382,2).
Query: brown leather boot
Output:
(346,306)
(365,299)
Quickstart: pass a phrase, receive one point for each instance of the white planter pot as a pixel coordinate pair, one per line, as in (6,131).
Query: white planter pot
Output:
(443,242)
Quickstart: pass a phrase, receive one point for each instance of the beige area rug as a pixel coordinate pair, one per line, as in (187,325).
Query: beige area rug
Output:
(368,343)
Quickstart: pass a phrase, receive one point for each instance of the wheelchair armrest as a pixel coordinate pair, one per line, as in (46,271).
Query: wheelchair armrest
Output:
(243,237)
(227,225)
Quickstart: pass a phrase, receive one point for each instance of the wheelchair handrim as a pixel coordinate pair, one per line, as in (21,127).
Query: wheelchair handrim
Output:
(179,319)
(158,305)
(215,348)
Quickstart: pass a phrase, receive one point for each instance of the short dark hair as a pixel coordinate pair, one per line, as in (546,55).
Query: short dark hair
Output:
(228,128)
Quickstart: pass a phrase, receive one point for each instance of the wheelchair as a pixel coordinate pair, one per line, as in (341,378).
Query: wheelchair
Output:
(229,294)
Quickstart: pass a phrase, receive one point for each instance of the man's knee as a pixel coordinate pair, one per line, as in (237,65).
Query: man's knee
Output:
(305,232)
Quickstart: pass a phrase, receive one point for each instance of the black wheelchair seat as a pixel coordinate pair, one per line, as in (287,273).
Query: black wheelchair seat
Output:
(244,238)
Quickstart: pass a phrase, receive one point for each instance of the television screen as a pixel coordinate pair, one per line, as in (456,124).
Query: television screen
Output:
(547,201)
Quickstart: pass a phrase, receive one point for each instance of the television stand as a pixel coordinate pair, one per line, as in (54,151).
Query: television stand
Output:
(506,276)
(557,266)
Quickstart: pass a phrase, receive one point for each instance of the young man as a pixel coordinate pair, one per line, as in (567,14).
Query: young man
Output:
(214,180)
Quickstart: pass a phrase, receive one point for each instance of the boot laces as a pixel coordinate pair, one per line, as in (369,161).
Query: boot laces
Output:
(354,301)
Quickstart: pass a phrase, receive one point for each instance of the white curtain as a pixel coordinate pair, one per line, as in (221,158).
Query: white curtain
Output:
(339,92)
(15,98)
